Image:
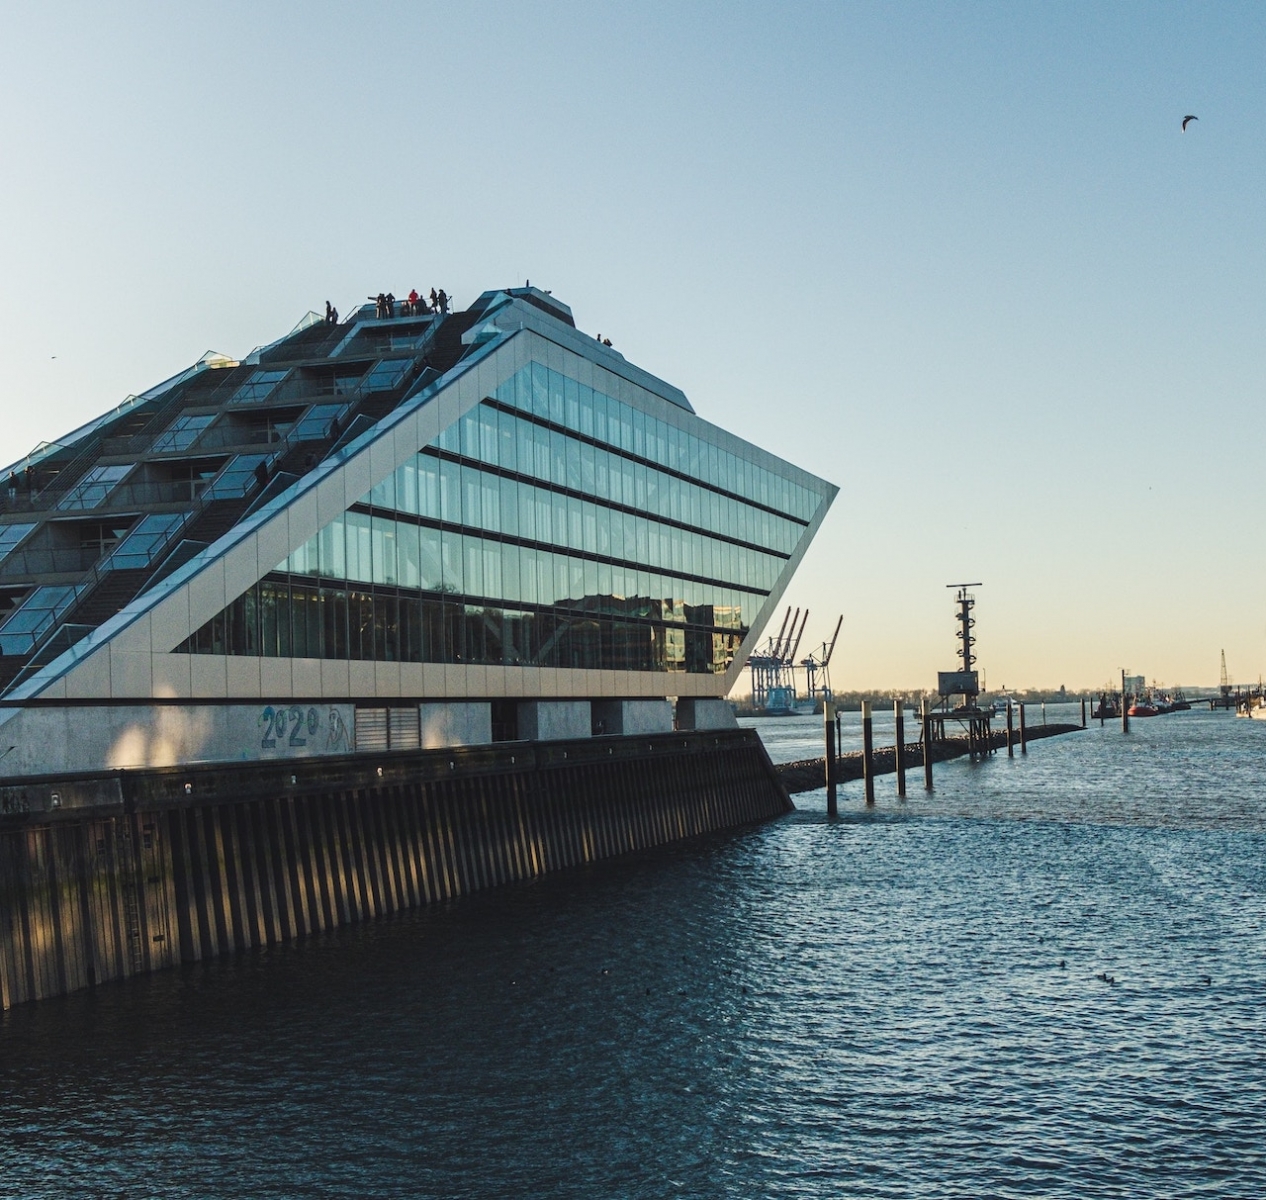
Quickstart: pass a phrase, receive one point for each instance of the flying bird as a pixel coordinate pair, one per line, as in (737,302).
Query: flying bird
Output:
(1187,121)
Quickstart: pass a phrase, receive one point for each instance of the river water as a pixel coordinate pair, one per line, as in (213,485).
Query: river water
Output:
(905,1002)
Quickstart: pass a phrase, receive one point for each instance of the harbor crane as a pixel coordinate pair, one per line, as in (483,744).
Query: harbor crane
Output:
(817,664)
(773,669)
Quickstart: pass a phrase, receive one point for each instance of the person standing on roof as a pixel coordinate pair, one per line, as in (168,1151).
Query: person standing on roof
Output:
(380,306)
(442,301)
(331,314)
(414,300)
(391,306)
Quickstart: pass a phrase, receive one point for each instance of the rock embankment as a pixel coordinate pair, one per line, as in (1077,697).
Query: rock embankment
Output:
(809,774)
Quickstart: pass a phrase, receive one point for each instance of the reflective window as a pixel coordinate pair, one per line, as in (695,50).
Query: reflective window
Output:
(149,537)
(388,374)
(182,433)
(10,536)
(93,488)
(239,476)
(549,526)
(258,387)
(21,633)
(315,424)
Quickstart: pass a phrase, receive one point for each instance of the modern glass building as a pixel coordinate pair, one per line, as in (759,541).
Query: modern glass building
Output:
(392,531)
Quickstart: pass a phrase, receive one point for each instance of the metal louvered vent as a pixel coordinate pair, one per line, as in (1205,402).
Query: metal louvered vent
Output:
(404,730)
(371,729)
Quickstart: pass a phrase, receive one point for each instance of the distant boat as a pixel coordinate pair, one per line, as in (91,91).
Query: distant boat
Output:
(1143,708)
(1254,707)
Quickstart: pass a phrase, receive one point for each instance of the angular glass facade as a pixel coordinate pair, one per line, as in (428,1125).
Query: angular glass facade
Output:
(551,526)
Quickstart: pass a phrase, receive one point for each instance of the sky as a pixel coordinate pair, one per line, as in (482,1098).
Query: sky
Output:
(958,259)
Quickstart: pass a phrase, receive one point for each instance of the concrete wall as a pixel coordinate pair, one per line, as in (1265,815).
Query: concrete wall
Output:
(455,725)
(694,712)
(632,716)
(552,720)
(51,741)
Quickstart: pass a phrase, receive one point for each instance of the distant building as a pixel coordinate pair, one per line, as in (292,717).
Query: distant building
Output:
(387,533)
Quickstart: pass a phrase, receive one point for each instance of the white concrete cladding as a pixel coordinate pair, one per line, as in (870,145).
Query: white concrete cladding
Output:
(65,740)
(455,725)
(554,720)
(632,716)
(128,660)
(702,713)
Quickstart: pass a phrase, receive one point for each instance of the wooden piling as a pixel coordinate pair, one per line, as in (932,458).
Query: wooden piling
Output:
(1083,712)
(828,723)
(1125,706)
(1010,733)
(926,716)
(899,745)
(868,753)
(1024,734)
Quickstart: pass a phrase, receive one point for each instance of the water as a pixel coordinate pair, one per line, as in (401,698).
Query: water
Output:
(868,1007)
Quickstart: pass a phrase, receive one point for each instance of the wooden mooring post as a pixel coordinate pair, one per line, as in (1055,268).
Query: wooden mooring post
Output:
(868,753)
(1083,712)
(1024,734)
(899,746)
(1125,706)
(828,723)
(926,715)
(1010,733)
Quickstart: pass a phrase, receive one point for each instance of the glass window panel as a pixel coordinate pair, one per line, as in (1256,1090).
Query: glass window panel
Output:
(407,555)
(359,553)
(492,584)
(507,442)
(35,616)
(385,375)
(430,562)
(600,403)
(383,494)
(93,488)
(383,548)
(488,436)
(556,404)
(526,510)
(528,591)
(11,535)
(540,390)
(509,500)
(428,486)
(332,549)
(571,403)
(451,553)
(147,538)
(450,492)
(472,504)
(239,476)
(473,566)
(490,503)
(317,423)
(510,588)
(258,387)
(182,433)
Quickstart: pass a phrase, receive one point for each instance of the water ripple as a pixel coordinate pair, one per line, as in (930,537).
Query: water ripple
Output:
(1044,980)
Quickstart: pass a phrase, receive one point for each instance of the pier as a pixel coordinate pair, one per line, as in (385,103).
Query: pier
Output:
(809,774)
(110,876)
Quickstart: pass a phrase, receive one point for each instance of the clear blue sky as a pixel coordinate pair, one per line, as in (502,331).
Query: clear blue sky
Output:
(957,258)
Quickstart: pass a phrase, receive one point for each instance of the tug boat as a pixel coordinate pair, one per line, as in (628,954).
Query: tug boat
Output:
(1143,708)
